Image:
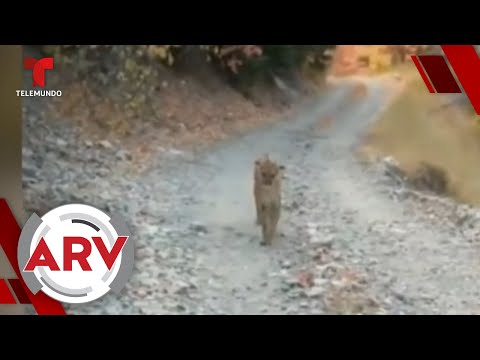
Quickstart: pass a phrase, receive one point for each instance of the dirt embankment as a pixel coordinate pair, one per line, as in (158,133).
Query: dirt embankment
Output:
(189,105)
(435,140)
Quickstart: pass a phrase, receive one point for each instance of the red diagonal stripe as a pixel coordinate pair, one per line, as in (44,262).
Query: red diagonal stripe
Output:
(43,304)
(422,74)
(17,288)
(29,63)
(6,296)
(439,74)
(466,65)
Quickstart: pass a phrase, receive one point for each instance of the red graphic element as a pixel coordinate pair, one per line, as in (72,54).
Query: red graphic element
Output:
(466,64)
(439,74)
(109,257)
(43,304)
(6,296)
(81,257)
(35,260)
(19,292)
(38,68)
(422,74)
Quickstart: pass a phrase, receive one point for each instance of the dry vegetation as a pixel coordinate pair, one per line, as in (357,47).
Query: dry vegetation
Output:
(186,94)
(372,59)
(418,129)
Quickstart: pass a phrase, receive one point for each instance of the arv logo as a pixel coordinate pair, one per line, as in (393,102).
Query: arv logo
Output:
(42,256)
(75,254)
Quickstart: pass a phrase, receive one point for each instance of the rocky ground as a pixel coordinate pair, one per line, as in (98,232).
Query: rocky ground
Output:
(352,239)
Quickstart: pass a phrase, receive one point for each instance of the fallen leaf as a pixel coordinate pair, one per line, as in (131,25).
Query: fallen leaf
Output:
(306,279)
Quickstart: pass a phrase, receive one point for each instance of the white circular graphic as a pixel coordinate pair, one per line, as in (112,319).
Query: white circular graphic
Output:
(81,239)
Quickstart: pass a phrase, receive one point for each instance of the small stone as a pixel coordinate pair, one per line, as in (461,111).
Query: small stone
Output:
(314,291)
(312,232)
(161,254)
(88,143)
(175,152)
(27,152)
(400,297)
(61,142)
(151,230)
(381,311)
(397,230)
(181,307)
(141,293)
(181,287)
(294,205)
(287,288)
(105,144)
(337,256)
(328,271)
(326,240)
(320,282)
(199,228)
(123,155)
(29,172)
(372,302)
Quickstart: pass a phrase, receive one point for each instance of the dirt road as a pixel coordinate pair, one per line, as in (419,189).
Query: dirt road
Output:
(198,249)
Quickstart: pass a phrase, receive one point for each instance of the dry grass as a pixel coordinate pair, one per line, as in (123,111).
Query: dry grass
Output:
(416,128)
